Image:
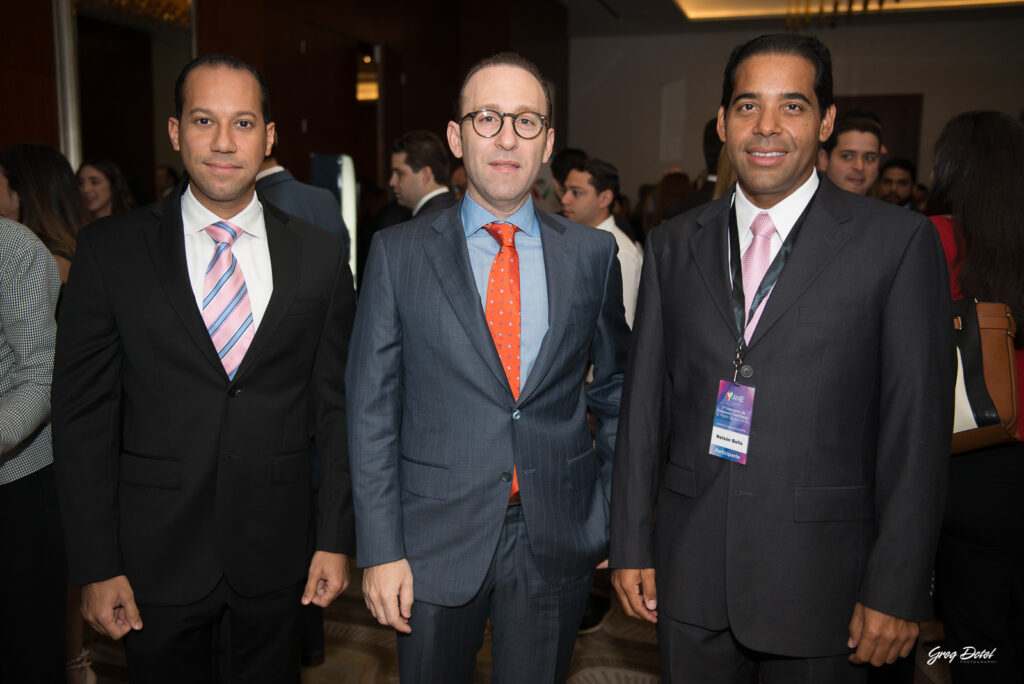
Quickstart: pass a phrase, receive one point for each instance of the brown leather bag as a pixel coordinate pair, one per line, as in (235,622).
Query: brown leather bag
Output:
(986,381)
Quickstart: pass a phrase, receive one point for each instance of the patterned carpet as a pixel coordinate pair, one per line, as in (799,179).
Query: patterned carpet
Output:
(359,651)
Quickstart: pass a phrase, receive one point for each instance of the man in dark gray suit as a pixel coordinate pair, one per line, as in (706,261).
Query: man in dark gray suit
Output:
(318,206)
(781,461)
(419,173)
(475,472)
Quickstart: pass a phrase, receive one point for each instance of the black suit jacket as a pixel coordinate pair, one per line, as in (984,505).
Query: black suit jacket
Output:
(169,472)
(842,495)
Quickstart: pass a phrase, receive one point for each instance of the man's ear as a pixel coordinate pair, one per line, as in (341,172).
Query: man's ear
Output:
(605,199)
(172,133)
(454,133)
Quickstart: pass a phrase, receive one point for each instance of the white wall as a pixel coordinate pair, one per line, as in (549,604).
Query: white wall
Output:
(640,102)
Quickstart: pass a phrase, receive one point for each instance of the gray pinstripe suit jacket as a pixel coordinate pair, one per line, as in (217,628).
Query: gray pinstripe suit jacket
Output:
(433,423)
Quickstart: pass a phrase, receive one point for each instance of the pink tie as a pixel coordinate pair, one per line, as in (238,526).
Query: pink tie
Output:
(755,262)
(226,309)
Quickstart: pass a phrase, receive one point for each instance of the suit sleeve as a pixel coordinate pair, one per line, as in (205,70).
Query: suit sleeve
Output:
(374,381)
(639,453)
(335,517)
(608,354)
(915,427)
(86,420)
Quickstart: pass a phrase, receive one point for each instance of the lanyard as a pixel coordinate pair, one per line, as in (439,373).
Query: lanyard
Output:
(771,276)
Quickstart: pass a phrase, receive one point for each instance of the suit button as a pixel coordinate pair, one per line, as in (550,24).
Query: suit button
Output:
(234,392)
(516,414)
(506,477)
(747,371)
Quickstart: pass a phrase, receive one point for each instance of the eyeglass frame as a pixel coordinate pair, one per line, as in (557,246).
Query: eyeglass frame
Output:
(501,117)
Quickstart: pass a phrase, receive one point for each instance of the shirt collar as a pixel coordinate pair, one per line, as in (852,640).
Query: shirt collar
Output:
(426,198)
(475,217)
(269,171)
(784,214)
(195,217)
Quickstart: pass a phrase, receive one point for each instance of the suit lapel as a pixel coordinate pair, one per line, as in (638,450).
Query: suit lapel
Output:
(560,273)
(285,262)
(710,248)
(445,246)
(820,239)
(167,252)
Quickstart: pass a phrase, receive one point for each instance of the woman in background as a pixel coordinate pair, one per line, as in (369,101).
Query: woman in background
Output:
(977,204)
(42,194)
(103,188)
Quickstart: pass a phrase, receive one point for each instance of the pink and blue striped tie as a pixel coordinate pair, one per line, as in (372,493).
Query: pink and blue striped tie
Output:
(226,309)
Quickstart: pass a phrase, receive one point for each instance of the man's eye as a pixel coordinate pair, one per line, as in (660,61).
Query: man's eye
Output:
(870,158)
(202,120)
(846,156)
(245,124)
(487,118)
(793,107)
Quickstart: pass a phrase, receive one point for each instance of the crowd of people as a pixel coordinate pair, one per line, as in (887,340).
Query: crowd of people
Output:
(736,393)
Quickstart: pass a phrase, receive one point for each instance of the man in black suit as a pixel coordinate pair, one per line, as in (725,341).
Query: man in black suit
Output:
(711,144)
(419,172)
(797,420)
(202,345)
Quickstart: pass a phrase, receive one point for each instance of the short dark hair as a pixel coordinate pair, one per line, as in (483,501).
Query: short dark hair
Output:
(900,163)
(424,148)
(603,176)
(851,122)
(565,161)
(712,145)
(507,59)
(808,47)
(218,60)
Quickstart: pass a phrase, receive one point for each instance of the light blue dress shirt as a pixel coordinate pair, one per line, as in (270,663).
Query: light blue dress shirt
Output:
(533,284)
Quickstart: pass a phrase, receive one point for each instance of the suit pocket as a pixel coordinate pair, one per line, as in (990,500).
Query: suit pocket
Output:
(831,504)
(144,471)
(424,480)
(584,469)
(289,468)
(680,480)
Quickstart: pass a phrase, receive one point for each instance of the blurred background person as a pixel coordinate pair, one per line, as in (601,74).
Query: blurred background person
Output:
(165,177)
(103,188)
(977,204)
(851,155)
(42,194)
(896,182)
(669,196)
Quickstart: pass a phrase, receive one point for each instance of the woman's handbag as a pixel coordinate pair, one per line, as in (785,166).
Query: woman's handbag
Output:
(986,377)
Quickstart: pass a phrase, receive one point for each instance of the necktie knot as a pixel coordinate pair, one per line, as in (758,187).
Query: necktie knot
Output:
(504,233)
(762,225)
(224,232)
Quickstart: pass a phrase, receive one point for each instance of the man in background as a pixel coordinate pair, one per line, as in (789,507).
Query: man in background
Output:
(896,183)
(851,155)
(419,173)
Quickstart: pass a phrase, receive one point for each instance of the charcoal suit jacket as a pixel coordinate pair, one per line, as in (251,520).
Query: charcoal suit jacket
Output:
(842,495)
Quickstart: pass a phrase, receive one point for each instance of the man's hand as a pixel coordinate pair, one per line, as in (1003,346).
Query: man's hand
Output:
(328,577)
(109,606)
(637,591)
(879,638)
(387,590)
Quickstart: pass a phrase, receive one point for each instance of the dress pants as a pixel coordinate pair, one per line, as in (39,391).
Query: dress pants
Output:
(533,623)
(181,643)
(33,581)
(693,655)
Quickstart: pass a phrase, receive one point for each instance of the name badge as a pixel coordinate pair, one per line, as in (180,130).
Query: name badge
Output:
(730,433)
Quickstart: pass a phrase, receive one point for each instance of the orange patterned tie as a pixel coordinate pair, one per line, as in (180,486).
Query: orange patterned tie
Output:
(503,309)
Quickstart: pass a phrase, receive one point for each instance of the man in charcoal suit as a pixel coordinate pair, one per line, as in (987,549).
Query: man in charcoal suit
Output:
(780,467)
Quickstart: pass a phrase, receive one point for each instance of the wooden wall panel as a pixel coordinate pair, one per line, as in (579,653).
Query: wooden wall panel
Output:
(28,75)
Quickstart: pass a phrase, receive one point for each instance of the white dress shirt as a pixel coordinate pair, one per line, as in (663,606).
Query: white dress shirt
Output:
(631,259)
(426,198)
(250,248)
(783,215)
